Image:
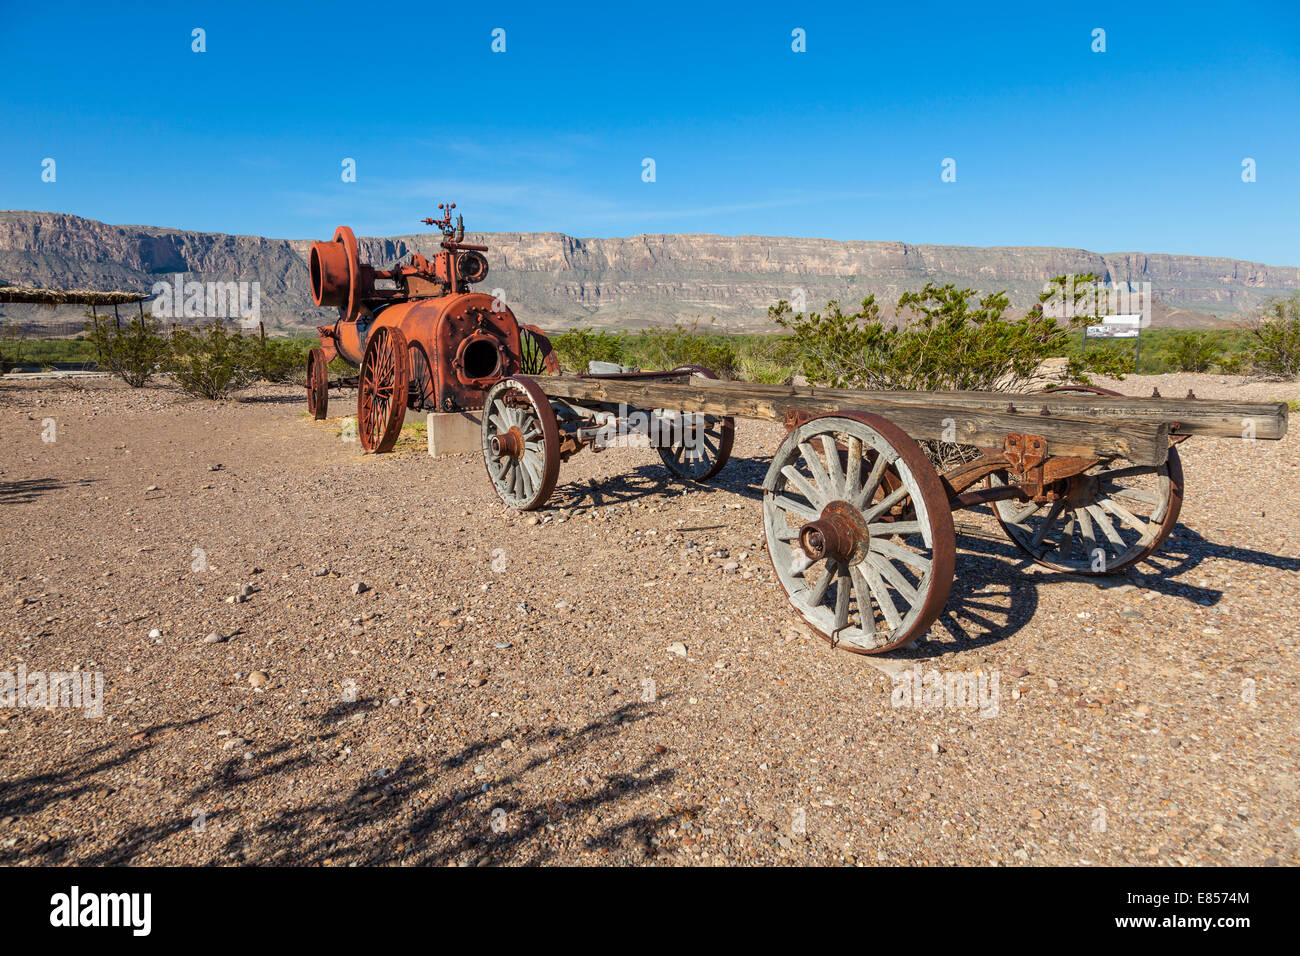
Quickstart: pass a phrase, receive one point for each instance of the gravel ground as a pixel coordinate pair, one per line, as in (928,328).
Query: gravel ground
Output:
(501,690)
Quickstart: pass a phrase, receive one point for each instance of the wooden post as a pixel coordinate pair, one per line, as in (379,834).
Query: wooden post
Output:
(94,318)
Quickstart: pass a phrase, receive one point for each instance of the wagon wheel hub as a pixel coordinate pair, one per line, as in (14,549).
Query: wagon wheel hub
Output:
(1082,491)
(508,444)
(839,533)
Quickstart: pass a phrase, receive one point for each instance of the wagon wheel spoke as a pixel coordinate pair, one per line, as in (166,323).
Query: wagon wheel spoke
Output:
(862,591)
(1087,536)
(842,593)
(853,469)
(1119,474)
(1137,496)
(835,474)
(1102,521)
(1068,534)
(1126,516)
(880,594)
(887,502)
(895,527)
(792,507)
(813,463)
(1020,516)
(873,481)
(818,592)
(899,553)
(889,572)
(807,488)
(1053,513)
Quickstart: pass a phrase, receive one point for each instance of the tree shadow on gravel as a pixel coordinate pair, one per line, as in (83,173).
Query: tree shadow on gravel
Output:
(75,779)
(413,815)
(430,808)
(18,492)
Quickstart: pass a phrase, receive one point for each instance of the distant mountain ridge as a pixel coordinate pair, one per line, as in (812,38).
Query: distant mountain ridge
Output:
(557,280)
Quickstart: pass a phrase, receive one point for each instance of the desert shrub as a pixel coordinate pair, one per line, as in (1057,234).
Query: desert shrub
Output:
(1274,339)
(1233,363)
(769,360)
(213,361)
(946,340)
(579,346)
(1193,352)
(669,347)
(279,361)
(135,353)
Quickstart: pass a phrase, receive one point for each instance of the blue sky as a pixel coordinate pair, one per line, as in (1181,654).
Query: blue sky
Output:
(1137,148)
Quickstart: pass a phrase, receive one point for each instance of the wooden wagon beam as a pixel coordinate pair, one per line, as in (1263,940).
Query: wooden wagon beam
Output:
(1143,443)
(1187,416)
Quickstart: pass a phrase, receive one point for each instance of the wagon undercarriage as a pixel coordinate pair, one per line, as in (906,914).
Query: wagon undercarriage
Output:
(856,515)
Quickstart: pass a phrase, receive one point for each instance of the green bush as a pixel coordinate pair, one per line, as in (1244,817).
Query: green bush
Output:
(1190,352)
(1233,363)
(766,359)
(214,361)
(666,348)
(578,346)
(134,353)
(946,341)
(279,361)
(1274,347)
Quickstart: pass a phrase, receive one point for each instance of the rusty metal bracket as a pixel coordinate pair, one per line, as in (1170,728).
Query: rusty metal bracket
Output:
(795,417)
(1025,455)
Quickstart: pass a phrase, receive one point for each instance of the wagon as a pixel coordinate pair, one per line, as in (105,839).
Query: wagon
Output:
(859,498)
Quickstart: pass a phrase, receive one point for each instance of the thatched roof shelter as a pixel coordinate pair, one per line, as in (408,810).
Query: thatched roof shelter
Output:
(52,297)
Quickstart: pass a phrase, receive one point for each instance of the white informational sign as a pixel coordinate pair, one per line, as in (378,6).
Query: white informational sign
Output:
(1116,327)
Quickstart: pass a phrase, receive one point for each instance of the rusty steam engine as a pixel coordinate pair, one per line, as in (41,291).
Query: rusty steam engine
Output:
(420,337)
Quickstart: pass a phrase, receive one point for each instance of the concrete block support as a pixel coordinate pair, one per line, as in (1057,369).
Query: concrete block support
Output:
(455,433)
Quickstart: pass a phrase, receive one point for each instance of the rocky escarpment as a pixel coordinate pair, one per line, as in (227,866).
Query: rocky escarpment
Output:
(555,279)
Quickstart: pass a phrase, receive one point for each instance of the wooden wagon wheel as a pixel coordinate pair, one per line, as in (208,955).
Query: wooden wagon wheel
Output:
(318,386)
(1109,519)
(422,396)
(521,443)
(698,449)
(867,569)
(382,391)
(537,356)
(1134,509)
